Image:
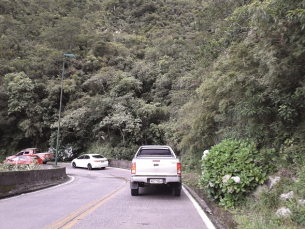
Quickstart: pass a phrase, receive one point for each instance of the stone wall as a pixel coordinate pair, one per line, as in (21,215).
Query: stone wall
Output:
(17,182)
(123,164)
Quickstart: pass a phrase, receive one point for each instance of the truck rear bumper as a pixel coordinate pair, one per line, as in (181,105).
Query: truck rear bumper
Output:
(146,179)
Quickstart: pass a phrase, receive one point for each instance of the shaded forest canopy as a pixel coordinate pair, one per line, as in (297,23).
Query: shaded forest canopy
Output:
(184,73)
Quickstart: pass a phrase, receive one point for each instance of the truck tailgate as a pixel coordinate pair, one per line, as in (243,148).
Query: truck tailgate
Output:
(156,166)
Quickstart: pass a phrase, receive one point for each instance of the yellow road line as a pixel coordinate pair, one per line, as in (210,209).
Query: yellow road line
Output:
(69,220)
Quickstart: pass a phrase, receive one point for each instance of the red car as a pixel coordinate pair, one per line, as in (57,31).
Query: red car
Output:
(20,160)
(46,156)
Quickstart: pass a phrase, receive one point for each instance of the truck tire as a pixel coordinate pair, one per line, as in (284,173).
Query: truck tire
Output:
(134,192)
(176,189)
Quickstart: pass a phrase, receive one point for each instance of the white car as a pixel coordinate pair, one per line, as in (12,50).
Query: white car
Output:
(90,161)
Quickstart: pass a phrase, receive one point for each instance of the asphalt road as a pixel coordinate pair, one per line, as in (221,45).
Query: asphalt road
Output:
(100,199)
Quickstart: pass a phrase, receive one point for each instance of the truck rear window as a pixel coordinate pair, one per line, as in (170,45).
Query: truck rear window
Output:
(154,152)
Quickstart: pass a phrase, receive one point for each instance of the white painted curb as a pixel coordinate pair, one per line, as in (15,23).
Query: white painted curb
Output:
(203,216)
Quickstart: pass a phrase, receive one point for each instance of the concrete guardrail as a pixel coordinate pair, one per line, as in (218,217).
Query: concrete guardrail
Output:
(123,164)
(17,182)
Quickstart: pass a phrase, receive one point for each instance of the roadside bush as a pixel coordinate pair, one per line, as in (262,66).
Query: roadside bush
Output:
(190,163)
(118,152)
(298,208)
(300,183)
(298,215)
(103,149)
(124,153)
(231,170)
(9,167)
(64,153)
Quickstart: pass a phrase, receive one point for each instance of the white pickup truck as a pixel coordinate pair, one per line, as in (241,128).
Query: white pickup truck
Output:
(155,165)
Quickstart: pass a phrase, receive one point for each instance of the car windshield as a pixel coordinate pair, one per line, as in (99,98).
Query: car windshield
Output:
(97,156)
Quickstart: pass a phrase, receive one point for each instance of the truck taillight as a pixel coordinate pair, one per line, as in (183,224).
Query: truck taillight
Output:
(178,169)
(133,168)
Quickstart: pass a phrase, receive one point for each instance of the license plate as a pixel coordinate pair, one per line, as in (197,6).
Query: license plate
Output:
(156,181)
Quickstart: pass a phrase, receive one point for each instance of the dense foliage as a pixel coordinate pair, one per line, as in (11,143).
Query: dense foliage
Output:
(185,73)
(254,88)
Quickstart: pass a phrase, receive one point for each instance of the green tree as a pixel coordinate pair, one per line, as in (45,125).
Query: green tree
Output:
(151,116)
(122,120)
(20,92)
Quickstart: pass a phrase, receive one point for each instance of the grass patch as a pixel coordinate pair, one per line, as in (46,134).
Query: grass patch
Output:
(261,213)
(254,213)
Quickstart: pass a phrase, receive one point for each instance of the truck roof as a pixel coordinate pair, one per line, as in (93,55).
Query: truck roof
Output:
(155,146)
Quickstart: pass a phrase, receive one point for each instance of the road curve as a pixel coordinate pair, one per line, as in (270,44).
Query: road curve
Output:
(100,199)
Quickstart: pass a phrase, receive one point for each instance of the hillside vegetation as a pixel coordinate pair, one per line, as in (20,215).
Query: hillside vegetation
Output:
(137,63)
(184,73)
(187,73)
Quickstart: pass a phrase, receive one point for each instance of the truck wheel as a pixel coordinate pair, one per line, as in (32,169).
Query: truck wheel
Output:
(74,165)
(176,190)
(135,192)
(89,166)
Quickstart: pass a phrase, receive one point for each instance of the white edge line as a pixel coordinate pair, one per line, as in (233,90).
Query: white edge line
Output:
(204,217)
(41,190)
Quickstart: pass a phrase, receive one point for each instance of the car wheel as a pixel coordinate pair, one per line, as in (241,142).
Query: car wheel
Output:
(135,192)
(74,165)
(89,166)
(103,168)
